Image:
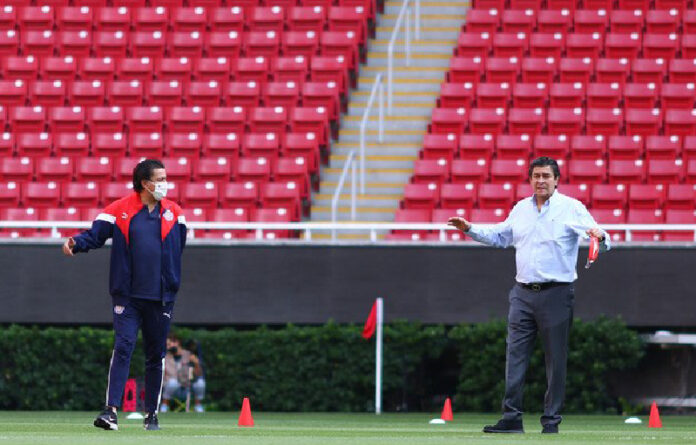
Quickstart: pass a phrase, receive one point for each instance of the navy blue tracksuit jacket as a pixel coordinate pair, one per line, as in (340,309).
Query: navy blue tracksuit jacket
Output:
(145,275)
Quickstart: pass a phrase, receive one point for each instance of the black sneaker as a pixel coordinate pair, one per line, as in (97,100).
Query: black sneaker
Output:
(107,420)
(505,426)
(550,429)
(151,423)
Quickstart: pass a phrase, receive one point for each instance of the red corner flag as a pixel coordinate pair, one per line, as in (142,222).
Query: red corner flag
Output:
(371,322)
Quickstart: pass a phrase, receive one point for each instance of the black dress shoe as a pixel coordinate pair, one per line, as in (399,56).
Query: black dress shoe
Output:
(550,429)
(505,426)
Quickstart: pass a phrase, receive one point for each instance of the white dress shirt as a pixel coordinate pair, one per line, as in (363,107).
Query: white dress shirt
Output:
(546,241)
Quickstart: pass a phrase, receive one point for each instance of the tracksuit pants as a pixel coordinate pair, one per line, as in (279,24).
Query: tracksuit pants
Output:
(154,318)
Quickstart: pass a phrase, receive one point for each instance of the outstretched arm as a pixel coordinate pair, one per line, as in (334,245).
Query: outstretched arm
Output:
(102,229)
(499,235)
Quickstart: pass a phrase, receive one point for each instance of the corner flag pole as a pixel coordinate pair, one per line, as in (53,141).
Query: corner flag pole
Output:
(378,357)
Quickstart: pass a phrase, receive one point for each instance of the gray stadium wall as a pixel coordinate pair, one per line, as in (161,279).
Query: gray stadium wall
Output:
(277,284)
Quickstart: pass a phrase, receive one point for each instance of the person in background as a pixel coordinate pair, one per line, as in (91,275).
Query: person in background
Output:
(182,372)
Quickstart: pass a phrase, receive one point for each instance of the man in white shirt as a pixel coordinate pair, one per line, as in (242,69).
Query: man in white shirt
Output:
(545,230)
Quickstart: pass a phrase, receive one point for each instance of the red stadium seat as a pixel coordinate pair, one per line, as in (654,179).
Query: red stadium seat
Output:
(261,145)
(493,95)
(212,69)
(568,121)
(625,147)
(487,121)
(112,144)
(243,195)
(81,194)
(204,94)
(422,216)
(304,145)
(146,144)
(524,121)
(467,171)
(643,122)
(610,216)
(604,121)
(87,94)
(448,120)
(217,170)
(67,119)
(190,19)
(126,93)
(64,214)
(682,71)
(539,70)
(603,95)
(495,196)
(421,196)
(465,69)
(221,145)
(505,171)
(678,95)
(426,171)
(227,19)
(140,69)
(585,171)
(307,18)
(474,44)
(645,216)
(27,119)
(179,169)
(164,94)
(300,43)
(41,194)
(281,94)
(94,169)
(16,169)
(185,44)
(439,146)
(680,122)
(680,197)
(609,196)
(627,172)
(567,95)
(172,68)
(226,119)
(110,43)
(274,216)
(123,172)
(25,214)
(25,68)
(34,144)
(584,45)
(256,170)
(9,194)
(252,69)
(200,195)
(476,146)
(665,171)
(458,196)
(588,147)
(510,44)
(646,196)
(13,92)
(663,147)
(293,170)
(576,69)
(186,119)
(187,145)
(502,69)
(556,147)
(514,21)
(482,20)
(613,71)
(59,68)
(530,95)
(679,217)
(148,119)
(71,144)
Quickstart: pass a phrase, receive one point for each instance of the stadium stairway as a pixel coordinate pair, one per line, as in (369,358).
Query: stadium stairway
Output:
(389,165)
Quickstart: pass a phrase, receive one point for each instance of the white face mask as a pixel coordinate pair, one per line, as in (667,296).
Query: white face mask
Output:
(160,190)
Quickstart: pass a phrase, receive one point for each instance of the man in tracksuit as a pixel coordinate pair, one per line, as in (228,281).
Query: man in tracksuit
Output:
(148,235)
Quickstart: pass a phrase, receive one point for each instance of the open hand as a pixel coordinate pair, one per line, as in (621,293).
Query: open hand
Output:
(460,223)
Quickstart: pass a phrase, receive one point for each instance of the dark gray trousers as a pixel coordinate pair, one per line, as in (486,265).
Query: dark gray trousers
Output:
(548,313)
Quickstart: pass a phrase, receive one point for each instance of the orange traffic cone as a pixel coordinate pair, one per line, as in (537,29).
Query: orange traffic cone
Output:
(654,421)
(245,418)
(447,410)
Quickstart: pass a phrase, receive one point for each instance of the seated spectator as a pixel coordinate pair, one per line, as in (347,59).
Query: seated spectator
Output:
(182,373)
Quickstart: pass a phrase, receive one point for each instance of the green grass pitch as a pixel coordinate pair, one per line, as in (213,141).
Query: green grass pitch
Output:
(74,428)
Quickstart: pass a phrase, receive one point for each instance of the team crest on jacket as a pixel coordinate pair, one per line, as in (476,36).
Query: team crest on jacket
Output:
(124,215)
(168,215)
(118,310)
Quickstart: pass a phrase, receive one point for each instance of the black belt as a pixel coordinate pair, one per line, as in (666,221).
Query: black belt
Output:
(537,287)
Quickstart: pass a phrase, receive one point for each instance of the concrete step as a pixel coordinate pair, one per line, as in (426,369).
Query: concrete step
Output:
(377,161)
(372,188)
(376,148)
(417,46)
(390,175)
(361,201)
(366,214)
(412,125)
(420,110)
(371,135)
(401,71)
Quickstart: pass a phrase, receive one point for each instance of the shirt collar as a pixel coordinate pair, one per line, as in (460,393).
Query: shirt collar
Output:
(548,202)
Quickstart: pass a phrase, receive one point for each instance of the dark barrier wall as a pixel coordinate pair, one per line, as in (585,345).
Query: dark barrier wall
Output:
(312,284)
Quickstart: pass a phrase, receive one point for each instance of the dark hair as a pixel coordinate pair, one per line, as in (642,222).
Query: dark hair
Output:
(173,337)
(545,161)
(144,170)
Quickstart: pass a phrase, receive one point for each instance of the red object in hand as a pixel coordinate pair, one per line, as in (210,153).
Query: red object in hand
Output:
(594,251)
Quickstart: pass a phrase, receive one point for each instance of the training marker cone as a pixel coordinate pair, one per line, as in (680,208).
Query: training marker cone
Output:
(447,410)
(654,421)
(245,418)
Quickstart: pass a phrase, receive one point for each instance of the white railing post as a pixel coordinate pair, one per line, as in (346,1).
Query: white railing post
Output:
(337,193)
(376,87)
(404,12)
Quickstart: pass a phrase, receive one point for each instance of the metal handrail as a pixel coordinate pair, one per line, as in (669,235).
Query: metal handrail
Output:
(405,11)
(308,227)
(377,88)
(350,163)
